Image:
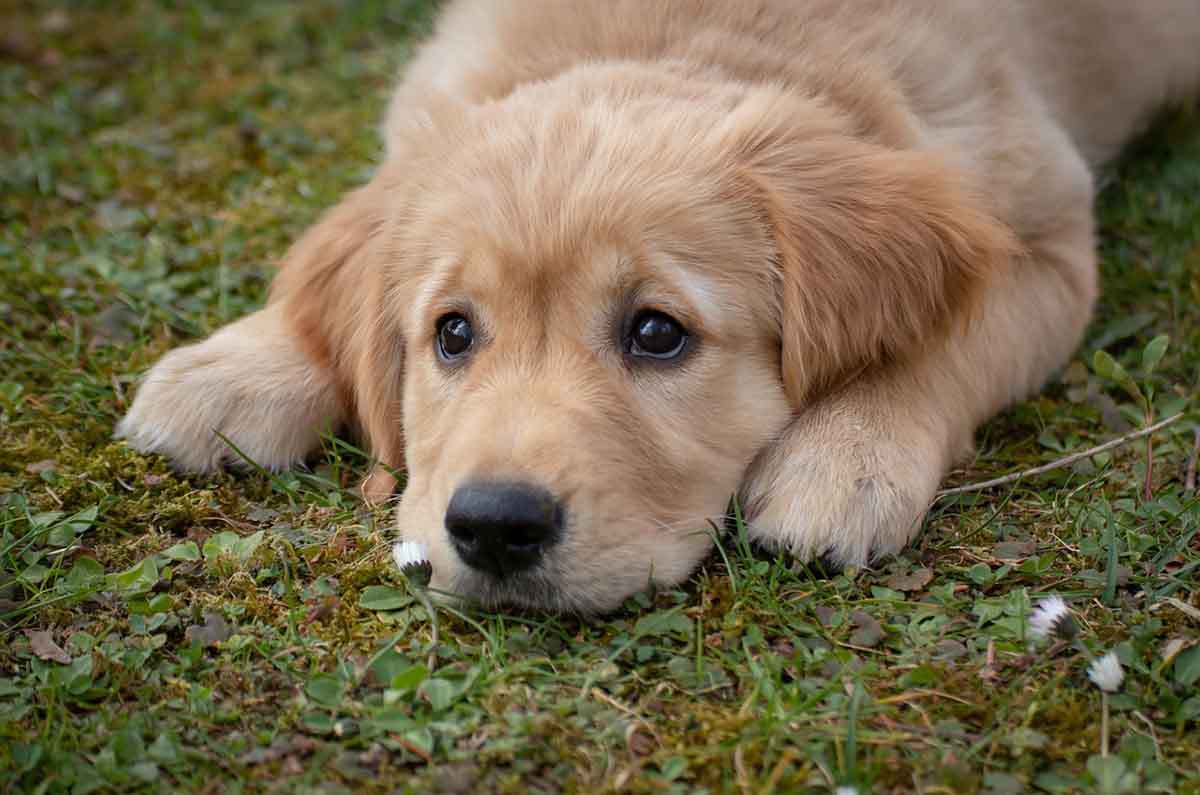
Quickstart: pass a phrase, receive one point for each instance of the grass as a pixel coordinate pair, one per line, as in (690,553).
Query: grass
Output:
(248,634)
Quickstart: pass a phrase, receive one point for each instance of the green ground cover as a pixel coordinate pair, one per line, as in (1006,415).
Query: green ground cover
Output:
(248,633)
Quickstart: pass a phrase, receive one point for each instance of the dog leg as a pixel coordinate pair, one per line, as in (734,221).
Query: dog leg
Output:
(249,382)
(272,382)
(854,474)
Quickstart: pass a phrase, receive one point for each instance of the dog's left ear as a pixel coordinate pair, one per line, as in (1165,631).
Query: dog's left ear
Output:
(877,249)
(326,283)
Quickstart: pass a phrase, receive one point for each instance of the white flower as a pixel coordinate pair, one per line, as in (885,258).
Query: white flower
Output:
(1106,673)
(846,789)
(1052,617)
(413,561)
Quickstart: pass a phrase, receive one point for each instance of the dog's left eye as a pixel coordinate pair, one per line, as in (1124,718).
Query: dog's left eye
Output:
(656,335)
(454,336)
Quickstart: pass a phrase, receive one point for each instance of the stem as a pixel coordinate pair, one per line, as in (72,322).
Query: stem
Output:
(1189,479)
(1148,486)
(1103,723)
(423,598)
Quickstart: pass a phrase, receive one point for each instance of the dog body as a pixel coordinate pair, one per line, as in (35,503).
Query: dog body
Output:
(625,258)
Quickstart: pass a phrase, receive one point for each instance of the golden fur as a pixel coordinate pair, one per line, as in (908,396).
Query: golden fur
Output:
(872,216)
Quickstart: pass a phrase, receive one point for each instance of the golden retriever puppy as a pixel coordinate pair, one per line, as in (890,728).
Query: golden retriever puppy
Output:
(627,258)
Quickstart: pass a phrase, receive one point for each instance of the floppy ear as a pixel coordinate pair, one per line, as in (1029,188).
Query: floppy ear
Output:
(325,283)
(379,376)
(877,249)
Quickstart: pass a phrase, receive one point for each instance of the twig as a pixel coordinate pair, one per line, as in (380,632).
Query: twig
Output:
(785,759)
(600,695)
(912,695)
(1062,462)
(740,772)
(412,748)
(1153,734)
(1180,605)
(1189,481)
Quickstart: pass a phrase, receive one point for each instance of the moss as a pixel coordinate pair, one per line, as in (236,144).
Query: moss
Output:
(163,157)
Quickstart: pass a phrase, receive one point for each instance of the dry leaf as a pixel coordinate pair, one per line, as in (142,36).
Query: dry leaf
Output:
(1013,550)
(869,632)
(215,630)
(43,645)
(639,741)
(914,581)
(41,466)
(825,614)
(1181,606)
(1172,648)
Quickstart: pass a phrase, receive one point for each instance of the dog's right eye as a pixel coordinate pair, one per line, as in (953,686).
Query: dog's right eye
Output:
(454,336)
(656,335)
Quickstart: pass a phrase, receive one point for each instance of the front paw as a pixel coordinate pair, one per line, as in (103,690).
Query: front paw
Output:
(247,383)
(851,480)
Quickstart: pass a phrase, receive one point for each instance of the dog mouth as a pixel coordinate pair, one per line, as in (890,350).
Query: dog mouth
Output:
(538,588)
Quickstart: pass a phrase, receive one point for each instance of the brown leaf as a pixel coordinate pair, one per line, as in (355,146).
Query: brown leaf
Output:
(639,741)
(949,649)
(43,645)
(56,21)
(283,746)
(260,513)
(322,609)
(374,757)
(1172,648)
(458,778)
(869,632)
(198,534)
(113,325)
(914,581)
(215,630)
(1014,550)
(41,466)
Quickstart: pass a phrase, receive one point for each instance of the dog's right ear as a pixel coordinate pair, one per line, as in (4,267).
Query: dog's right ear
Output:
(326,283)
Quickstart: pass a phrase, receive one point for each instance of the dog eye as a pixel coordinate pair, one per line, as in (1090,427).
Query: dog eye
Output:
(657,336)
(454,336)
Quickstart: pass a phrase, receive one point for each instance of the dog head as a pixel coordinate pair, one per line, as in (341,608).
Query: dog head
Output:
(587,311)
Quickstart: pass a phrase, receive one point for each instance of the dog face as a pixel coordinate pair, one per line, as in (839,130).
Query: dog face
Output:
(589,359)
(587,317)
(576,424)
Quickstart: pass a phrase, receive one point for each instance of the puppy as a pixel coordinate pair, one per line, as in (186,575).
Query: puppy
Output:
(627,258)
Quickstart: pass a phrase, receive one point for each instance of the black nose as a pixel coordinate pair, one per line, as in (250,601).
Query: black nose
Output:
(502,528)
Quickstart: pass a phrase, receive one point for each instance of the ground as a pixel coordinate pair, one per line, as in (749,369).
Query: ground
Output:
(249,633)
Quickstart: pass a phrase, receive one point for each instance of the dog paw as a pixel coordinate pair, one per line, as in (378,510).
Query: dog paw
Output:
(248,384)
(851,480)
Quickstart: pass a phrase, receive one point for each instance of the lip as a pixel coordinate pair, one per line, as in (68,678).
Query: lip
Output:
(527,590)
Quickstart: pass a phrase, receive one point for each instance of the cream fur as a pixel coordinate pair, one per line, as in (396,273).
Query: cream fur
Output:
(874,216)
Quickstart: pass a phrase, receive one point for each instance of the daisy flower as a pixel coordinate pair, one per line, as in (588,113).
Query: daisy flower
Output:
(413,561)
(1106,673)
(1052,617)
